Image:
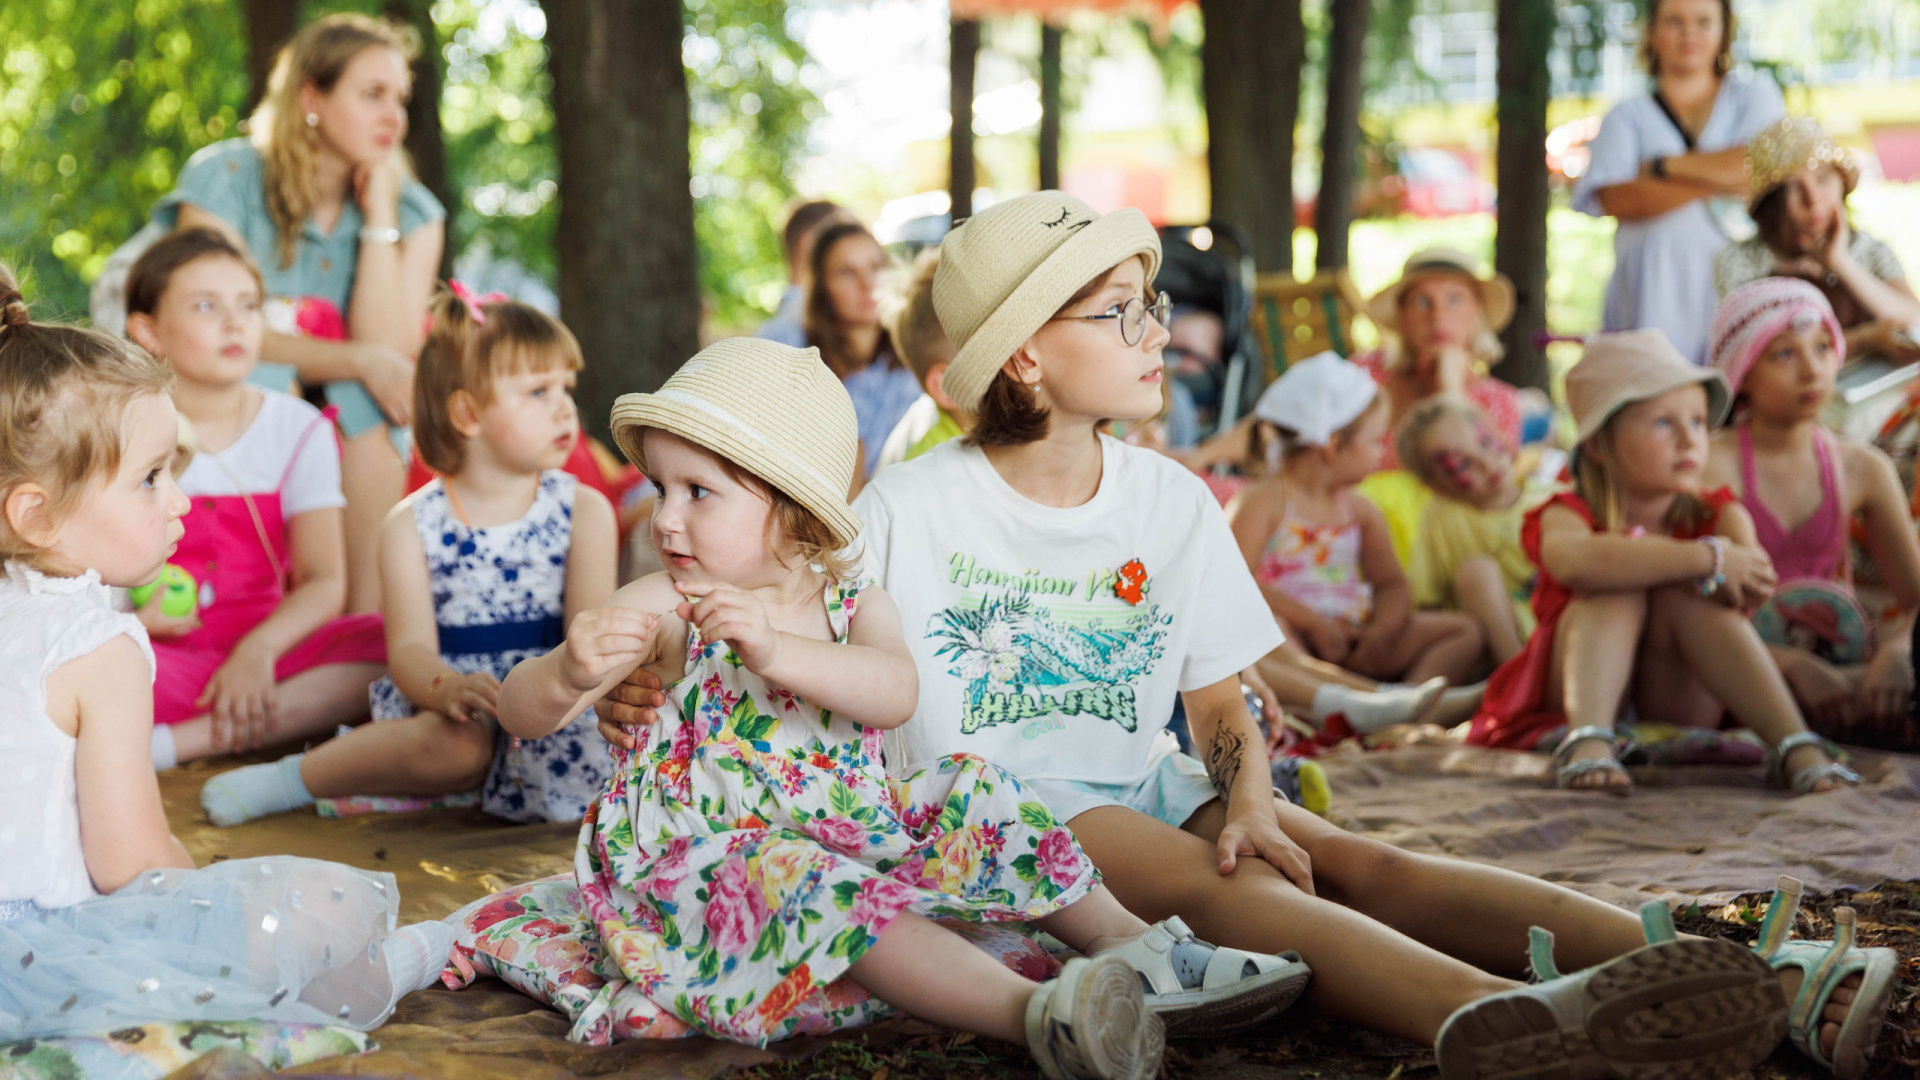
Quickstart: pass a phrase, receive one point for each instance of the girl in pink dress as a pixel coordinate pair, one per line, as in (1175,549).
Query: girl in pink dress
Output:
(264,655)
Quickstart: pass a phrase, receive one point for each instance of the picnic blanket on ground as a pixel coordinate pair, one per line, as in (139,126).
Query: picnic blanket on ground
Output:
(1704,832)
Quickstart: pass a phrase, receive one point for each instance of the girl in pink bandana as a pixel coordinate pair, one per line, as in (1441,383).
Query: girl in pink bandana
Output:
(1778,344)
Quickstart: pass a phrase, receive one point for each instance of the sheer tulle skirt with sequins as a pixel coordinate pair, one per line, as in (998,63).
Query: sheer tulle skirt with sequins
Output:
(277,938)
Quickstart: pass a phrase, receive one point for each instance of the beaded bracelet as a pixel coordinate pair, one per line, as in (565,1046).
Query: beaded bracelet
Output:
(1711,583)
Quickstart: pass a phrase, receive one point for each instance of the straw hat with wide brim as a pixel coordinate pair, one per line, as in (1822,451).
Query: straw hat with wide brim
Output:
(771,409)
(1626,366)
(1006,270)
(1790,147)
(1496,291)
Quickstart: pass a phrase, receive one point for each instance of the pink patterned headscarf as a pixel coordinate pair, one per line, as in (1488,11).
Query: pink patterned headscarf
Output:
(1754,314)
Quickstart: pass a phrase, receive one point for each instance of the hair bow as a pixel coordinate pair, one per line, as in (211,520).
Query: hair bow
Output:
(473,302)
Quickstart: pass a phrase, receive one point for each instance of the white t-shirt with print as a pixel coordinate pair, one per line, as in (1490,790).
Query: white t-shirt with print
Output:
(1052,642)
(272,447)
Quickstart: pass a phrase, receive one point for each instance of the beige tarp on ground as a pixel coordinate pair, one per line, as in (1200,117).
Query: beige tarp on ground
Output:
(1702,831)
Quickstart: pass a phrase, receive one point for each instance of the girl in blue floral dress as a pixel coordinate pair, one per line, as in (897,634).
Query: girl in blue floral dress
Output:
(480,569)
(751,855)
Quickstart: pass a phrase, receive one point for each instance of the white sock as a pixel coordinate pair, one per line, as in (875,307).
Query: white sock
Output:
(416,955)
(165,756)
(1367,712)
(255,791)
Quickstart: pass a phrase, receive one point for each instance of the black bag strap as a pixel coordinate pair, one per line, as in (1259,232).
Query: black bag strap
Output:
(1674,119)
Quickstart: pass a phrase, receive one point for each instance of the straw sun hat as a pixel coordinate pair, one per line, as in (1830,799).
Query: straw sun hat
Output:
(1626,366)
(1006,270)
(1496,292)
(1790,147)
(771,409)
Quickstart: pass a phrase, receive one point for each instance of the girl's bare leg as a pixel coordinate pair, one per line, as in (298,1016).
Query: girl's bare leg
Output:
(1722,652)
(1364,970)
(1093,923)
(1482,592)
(312,703)
(1593,660)
(1310,671)
(422,754)
(373,478)
(1443,643)
(928,971)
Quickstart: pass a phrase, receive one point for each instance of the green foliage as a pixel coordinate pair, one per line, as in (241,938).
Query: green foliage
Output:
(101,103)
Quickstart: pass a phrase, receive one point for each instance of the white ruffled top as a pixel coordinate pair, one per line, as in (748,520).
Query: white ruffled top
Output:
(49,621)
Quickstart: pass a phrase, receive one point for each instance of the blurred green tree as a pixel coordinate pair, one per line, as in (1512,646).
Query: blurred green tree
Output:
(102,102)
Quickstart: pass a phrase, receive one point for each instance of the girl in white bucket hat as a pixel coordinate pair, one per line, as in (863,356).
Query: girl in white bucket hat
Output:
(1060,590)
(751,848)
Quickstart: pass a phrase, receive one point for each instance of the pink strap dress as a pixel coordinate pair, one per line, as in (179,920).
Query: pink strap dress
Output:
(1817,549)
(236,548)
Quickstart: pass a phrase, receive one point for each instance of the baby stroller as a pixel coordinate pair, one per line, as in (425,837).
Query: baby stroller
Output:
(1210,267)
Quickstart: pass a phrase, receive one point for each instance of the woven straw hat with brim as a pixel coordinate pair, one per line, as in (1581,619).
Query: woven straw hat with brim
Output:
(771,409)
(1006,270)
(1626,366)
(1496,292)
(1790,147)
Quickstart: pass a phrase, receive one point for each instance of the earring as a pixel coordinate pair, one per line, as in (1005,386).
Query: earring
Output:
(313,119)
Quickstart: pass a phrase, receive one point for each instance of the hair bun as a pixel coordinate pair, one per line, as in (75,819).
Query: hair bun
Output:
(13,307)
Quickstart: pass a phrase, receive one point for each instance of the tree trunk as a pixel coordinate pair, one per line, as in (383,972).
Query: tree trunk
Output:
(963,51)
(269,24)
(1251,60)
(1525,29)
(425,144)
(629,288)
(1050,40)
(1340,136)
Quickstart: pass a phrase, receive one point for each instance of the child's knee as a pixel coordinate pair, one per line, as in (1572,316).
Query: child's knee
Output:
(456,755)
(1353,866)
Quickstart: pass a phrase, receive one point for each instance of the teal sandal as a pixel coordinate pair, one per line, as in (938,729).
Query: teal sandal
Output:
(1801,783)
(1690,1009)
(1825,965)
(1564,771)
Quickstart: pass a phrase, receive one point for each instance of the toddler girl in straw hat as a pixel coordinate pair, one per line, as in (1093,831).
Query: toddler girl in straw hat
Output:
(751,852)
(1779,345)
(1645,584)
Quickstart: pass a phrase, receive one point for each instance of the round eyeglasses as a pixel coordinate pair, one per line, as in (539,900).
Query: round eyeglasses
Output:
(1132,315)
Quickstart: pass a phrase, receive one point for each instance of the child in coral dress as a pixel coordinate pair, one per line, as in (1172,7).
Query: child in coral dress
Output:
(751,850)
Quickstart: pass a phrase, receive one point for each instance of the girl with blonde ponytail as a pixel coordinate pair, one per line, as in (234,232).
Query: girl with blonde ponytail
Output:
(348,243)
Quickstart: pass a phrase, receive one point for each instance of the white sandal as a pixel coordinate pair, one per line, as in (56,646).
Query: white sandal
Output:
(1238,990)
(1673,1010)
(1091,1023)
(1824,965)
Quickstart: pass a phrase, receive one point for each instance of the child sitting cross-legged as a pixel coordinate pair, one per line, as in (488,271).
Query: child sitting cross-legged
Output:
(479,570)
(1322,554)
(751,856)
(105,924)
(1778,344)
(1645,584)
(1466,553)
(250,643)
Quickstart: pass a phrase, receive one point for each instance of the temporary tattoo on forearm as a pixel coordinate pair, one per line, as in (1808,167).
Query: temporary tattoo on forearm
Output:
(1223,760)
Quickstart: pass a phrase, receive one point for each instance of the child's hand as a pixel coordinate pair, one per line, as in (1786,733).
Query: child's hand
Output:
(1331,639)
(241,699)
(1824,694)
(162,627)
(737,617)
(629,706)
(467,697)
(603,641)
(1886,690)
(1750,577)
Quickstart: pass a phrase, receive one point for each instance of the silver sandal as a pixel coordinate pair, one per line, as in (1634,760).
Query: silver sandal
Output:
(1801,783)
(1564,771)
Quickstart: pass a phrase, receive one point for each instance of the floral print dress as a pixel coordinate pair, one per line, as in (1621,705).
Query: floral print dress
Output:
(743,858)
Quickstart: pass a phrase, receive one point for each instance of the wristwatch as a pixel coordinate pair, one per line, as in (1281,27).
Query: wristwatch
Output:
(373,234)
(1658,168)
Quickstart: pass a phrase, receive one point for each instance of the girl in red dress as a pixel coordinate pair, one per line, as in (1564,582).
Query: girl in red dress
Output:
(1645,583)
